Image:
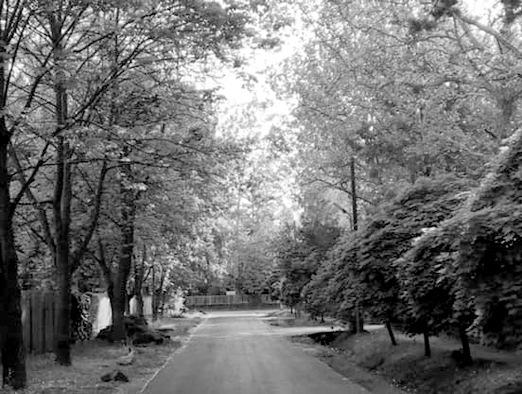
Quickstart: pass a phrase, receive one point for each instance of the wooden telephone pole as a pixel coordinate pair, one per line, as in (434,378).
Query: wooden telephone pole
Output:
(358,324)
(354,194)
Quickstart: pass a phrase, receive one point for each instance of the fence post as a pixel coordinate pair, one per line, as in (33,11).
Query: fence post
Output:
(36,323)
(49,321)
(26,320)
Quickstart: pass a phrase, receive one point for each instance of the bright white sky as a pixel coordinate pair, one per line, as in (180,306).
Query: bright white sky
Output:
(481,8)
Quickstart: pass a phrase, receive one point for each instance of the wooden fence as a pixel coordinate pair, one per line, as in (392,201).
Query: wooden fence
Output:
(227,301)
(39,321)
(39,314)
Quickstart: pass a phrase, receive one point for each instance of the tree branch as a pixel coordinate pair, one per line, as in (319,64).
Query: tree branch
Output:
(93,223)
(486,29)
(42,215)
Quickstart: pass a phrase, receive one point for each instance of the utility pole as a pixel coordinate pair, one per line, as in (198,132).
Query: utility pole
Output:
(354,194)
(354,228)
(236,235)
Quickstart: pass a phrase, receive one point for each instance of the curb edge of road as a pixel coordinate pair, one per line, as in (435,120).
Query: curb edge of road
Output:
(171,356)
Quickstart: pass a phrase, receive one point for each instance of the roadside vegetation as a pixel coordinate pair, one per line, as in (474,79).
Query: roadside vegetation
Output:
(370,360)
(367,170)
(97,357)
(411,150)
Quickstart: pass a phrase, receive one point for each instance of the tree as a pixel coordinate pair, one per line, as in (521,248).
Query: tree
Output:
(388,236)
(344,288)
(431,289)
(488,262)
(14,20)
(129,36)
(461,274)
(299,257)
(364,272)
(403,103)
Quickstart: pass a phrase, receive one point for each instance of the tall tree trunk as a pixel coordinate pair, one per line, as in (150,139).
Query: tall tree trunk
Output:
(62,208)
(466,351)
(153,294)
(126,302)
(138,281)
(128,215)
(11,340)
(390,333)
(356,323)
(354,194)
(359,324)
(427,346)
(161,296)
(118,308)
(11,333)
(163,302)
(61,201)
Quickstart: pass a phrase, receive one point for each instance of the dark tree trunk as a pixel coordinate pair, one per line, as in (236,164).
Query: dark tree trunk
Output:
(128,214)
(161,294)
(62,199)
(63,330)
(11,333)
(356,324)
(358,315)
(117,309)
(128,297)
(11,340)
(62,208)
(156,302)
(119,300)
(138,281)
(110,293)
(163,302)
(390,333)
(354,194)
(466,351)
(153,293)
(427,347)
(139,302)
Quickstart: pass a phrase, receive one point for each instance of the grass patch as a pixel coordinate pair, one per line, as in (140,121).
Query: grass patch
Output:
(94,358)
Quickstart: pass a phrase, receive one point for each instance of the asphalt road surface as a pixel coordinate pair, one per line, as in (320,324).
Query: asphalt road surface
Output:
(239,353)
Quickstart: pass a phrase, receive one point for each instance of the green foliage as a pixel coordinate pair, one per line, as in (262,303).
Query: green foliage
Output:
(334,288)
(429,285)
(467,270)
(300,256)
(388,235)
(490,249)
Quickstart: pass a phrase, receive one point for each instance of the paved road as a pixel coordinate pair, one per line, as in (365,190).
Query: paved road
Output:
(239,353)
